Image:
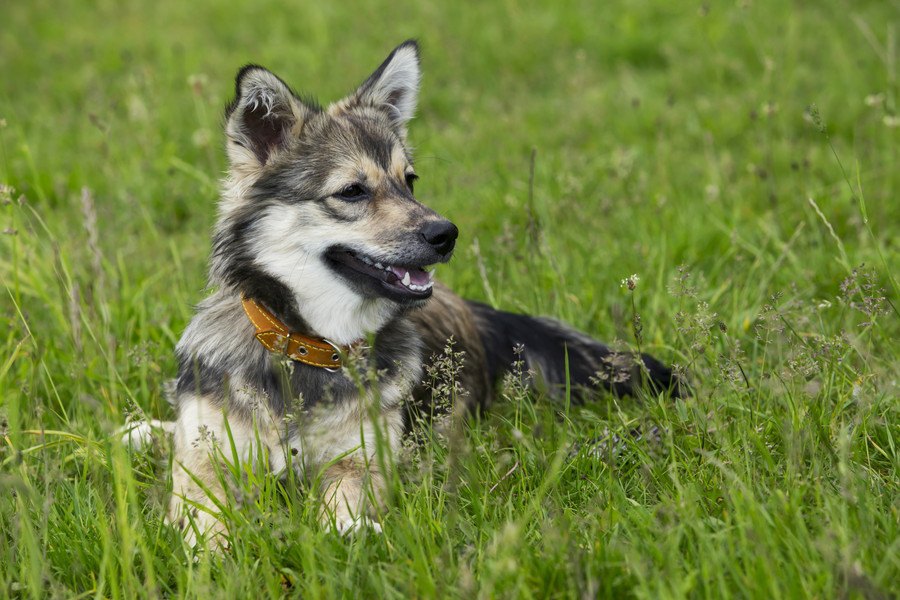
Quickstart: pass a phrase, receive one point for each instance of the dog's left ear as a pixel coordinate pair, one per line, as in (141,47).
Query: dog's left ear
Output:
(264,118)
(394,86)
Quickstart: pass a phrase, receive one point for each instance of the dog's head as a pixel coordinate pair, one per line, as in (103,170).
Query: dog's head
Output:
(318,212)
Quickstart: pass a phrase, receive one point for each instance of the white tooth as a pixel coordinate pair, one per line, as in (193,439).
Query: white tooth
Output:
(431,274)
(406,279)
(428,285)
(379,265)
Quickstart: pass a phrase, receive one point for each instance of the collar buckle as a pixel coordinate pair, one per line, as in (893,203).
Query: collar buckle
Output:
(335,358)
(272,333)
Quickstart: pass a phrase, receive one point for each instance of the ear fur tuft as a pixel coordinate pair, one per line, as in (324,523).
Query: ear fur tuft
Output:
(262,115)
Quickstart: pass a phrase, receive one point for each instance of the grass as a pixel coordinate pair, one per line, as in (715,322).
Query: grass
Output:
(741,158)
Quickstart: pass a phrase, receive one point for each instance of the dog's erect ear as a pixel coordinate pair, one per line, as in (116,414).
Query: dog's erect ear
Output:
(263,118)
(393,87)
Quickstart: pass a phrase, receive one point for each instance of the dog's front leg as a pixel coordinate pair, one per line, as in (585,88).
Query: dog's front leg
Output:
(196,490)
(354,487)
(204,444)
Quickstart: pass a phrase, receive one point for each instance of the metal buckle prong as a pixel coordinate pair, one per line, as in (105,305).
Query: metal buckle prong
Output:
(336,357)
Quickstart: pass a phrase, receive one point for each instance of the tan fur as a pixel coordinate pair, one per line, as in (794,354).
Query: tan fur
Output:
(201,440)
(351,489)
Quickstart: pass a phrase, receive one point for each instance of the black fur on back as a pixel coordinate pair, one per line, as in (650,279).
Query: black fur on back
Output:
(545,344)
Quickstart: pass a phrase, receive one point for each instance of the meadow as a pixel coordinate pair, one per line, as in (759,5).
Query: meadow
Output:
(740,158)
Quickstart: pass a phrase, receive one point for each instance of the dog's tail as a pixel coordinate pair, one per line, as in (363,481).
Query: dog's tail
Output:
(545,346)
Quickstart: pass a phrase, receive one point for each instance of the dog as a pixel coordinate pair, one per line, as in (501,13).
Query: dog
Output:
(321,253)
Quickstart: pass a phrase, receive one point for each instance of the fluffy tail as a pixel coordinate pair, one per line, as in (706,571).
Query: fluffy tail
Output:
(544,345)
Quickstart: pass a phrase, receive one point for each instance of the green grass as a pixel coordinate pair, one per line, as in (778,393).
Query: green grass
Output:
(671,140)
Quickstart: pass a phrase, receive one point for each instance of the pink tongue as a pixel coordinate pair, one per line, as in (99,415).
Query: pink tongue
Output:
(416,276)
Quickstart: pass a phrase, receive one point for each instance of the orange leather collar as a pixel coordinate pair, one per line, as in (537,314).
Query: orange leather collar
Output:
(276,337)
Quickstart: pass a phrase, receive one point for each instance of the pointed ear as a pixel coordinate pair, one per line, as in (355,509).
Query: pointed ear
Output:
(393,87)
(263,117)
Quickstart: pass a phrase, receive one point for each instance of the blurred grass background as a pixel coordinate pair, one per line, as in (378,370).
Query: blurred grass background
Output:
(740,157)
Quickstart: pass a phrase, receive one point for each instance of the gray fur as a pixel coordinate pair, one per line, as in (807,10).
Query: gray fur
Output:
(219,348)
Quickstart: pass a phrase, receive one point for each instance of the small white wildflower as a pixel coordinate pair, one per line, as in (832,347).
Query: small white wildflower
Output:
(875,99)
(891,121)
(137,108)
(631,282)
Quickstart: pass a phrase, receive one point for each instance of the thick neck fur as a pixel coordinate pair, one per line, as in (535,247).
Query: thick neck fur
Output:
(219,357)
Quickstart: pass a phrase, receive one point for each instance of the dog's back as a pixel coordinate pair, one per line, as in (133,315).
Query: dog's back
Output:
(493,341)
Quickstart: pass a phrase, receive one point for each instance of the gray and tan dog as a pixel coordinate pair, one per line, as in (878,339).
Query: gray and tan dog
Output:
(320,251)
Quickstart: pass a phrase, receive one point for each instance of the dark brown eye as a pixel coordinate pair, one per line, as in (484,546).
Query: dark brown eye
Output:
(410,180)
(352,192)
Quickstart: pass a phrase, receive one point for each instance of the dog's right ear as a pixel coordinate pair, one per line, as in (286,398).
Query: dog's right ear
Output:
(263,119)
(392,89)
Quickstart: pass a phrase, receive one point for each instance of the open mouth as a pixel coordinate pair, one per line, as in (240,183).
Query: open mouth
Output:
(398,282)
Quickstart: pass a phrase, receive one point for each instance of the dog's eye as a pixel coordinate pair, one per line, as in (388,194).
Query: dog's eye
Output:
(352,192)
(410,180)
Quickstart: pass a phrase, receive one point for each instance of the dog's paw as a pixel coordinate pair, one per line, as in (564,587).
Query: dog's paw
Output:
(138,434)
(349,525)
(200,529)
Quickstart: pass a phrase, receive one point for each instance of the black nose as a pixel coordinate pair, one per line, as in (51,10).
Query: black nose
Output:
(441,235)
